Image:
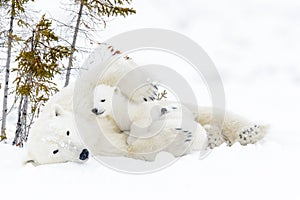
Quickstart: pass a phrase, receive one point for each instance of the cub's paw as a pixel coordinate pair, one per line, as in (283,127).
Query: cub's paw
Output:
(251,134)
(182,142)
(150,92)
(214,136)
(185,135)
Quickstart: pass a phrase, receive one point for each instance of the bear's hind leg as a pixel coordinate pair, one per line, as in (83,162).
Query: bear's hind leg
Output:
(251,134)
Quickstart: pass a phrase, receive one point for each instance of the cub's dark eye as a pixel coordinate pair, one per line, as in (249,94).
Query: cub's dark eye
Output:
(68,133)
(102,100)
(55,151)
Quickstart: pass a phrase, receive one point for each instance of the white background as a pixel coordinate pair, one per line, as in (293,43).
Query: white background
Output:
(255,45)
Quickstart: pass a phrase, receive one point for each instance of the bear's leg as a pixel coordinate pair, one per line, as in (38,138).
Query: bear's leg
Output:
(187,141)
(173,140)
(177,141)
(251,134)
(234,128)
(214,136)
(181,143)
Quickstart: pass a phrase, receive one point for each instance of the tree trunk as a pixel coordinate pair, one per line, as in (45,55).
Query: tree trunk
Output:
(22,126)
(73,45)
(7,72)
(19,128)
(29,125)
(25,121)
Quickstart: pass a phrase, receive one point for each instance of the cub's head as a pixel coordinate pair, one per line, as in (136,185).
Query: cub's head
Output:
(103,98)
(54,139)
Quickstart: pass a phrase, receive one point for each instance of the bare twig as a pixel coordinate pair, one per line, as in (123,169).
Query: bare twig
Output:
(161,95)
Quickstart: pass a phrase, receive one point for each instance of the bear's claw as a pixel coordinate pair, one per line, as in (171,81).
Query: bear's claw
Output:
(187,135)
(249,135)
(152,92)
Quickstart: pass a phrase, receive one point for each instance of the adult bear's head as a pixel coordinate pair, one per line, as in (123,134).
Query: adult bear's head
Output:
(54,139)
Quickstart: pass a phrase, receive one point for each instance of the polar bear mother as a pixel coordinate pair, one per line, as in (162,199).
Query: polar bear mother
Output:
(54,136)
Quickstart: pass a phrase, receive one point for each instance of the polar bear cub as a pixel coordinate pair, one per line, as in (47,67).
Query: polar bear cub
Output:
(128,116)
(152,126)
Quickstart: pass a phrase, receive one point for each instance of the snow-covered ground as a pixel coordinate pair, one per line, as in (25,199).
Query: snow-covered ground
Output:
(255,45)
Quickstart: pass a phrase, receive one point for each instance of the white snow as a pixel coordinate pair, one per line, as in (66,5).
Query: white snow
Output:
(255,45)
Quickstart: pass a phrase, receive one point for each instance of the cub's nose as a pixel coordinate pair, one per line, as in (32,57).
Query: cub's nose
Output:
(95,110)
(84,154)
(163,111)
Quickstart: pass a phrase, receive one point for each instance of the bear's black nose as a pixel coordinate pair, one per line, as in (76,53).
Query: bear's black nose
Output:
(95,111)
(163,111)
(84,154)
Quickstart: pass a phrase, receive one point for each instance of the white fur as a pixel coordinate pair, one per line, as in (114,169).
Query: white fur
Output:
(45,138)
(160,126)
(49,131)
(126,112)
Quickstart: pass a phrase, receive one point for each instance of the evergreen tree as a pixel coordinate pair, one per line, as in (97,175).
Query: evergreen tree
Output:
(39,61)
(89,14)
(14,10)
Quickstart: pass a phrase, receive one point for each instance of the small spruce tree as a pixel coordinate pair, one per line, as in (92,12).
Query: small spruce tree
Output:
(39,61)
(14,9)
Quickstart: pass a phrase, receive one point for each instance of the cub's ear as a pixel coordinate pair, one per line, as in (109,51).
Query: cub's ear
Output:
(58,110)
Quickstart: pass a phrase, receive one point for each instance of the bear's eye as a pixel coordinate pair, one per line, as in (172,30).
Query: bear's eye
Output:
(102,100)
(68,133)
(55,151)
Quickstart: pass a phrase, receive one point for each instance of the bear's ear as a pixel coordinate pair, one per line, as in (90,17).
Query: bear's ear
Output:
(27,159)
(58,110)
(30,161)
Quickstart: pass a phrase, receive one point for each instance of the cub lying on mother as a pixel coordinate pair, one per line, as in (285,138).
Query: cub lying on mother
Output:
(168,126)
(151,127)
